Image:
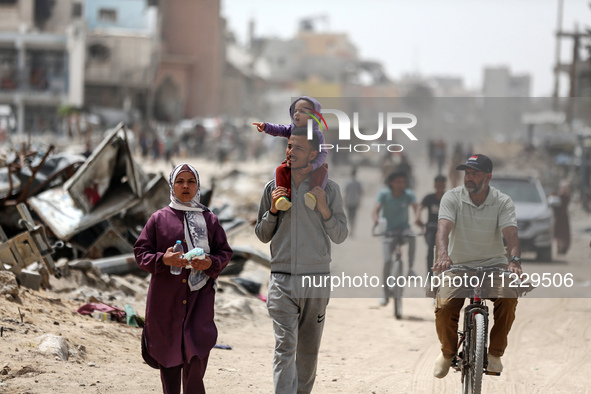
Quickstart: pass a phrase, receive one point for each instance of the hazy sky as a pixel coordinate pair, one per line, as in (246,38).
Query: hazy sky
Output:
(432,37)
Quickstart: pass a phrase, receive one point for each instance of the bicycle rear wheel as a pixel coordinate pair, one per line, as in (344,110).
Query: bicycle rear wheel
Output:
(397,291)
(398,308)
(473,378)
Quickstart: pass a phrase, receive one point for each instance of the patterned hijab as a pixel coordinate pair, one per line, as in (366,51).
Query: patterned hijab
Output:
(194,223)
(194,204)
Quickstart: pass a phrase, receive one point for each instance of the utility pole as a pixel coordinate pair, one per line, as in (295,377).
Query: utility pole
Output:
(573,79)
(575,70)
(557,55)
(572,69)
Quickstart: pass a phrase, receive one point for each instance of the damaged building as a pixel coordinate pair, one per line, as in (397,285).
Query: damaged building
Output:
(42,55)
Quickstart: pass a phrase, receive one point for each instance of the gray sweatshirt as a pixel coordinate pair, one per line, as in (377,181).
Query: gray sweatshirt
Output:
(309,233)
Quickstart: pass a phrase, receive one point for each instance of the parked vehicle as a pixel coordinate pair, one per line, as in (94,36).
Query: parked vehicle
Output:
(535,220)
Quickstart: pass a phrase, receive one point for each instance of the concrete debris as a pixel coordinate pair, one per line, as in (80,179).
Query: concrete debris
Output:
(8,284)
(118,265)
(54,345)
(82,265)
(124,285)
(29,279)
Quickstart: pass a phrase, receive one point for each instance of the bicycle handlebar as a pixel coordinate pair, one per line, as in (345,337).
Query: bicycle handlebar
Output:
(400,233)
(523,289)
(455,268)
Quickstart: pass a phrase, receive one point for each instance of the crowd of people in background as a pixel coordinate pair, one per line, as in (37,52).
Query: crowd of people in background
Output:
(225,141)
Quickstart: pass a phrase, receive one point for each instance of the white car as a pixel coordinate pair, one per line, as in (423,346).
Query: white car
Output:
(535,218)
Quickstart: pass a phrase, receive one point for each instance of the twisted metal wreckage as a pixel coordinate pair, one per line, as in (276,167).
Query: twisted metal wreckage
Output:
(91,208)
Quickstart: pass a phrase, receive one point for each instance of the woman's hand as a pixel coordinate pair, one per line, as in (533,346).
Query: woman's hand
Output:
(174,258)
(201,264)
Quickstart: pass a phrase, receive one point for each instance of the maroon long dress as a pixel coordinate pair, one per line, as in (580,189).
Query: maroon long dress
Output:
(179,322)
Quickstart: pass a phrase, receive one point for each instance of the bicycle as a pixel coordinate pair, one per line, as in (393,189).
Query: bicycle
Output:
(472,360)
(396,238)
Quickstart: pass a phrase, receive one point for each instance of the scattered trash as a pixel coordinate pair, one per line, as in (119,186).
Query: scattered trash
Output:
(116,314)
(262,297)
(132,318)
(101,316)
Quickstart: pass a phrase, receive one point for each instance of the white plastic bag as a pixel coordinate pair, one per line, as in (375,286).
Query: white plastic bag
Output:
(380,227)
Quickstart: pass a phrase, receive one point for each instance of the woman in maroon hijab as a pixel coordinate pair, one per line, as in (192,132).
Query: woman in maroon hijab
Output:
(179,331)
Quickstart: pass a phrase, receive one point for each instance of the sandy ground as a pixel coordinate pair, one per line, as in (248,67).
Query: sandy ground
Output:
(364,349)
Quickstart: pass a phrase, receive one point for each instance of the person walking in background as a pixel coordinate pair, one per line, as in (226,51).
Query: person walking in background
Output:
(179,330)
(405,166)
(440,152)
(352,197)
(561,219)
(298,310)
(458,156)
(431,202)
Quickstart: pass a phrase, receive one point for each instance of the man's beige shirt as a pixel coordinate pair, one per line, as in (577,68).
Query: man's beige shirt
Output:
(476,238)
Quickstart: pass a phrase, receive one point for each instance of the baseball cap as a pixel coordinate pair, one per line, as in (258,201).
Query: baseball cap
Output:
(477,162)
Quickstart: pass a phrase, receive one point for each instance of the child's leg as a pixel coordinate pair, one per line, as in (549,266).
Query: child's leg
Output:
(318,178)
(283,178)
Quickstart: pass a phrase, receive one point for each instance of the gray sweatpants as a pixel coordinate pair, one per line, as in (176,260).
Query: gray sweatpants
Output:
(298,316)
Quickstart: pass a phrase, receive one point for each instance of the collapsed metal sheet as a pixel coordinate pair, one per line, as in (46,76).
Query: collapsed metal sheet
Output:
(108,182)
(59,212)
(60,165)
(110,168)
(156,196)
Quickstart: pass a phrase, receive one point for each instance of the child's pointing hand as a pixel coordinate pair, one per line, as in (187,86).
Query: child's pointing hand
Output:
(260,126)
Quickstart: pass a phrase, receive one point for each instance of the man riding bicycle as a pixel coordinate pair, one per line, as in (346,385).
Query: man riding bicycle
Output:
(393,203)
(473,219)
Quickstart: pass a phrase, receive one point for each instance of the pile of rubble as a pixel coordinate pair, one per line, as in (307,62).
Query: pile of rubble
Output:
(68,224)
(87,211)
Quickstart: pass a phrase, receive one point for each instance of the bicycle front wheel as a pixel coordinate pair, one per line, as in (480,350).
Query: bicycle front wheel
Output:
(473,378)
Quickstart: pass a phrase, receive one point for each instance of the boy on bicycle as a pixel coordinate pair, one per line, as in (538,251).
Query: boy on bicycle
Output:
(393,203)
(473,219)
